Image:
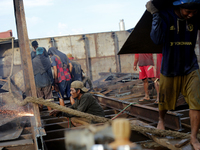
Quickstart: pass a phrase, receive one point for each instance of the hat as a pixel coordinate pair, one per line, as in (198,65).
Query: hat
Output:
(180,2)
(39,50)
(70,56)
(34,43)
(79,85)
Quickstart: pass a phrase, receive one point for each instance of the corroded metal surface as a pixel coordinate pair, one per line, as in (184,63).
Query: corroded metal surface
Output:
(172,120)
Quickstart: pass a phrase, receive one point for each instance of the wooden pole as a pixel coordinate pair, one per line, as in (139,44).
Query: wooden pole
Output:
(23,39)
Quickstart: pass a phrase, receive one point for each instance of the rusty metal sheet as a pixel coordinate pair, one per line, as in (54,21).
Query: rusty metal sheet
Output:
(12,130)
(17,143)
(172,120)
(6,120)
(139,40)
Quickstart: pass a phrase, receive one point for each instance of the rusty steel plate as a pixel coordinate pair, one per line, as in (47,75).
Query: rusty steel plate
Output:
(12,130)
(139,40)
(172,120)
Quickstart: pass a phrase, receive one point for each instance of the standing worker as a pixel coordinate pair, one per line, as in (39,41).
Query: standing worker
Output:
(76,69)
(147,71)
(176,28)
(43,75)
(86,80)
(35,46)
(62,68)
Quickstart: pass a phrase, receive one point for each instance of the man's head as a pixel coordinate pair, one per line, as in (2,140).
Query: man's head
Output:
(70,56)
(77,89)
(187,8)
(39,50)
(35,45)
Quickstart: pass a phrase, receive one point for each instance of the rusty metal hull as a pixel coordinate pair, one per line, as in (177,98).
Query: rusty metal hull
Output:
(172,120)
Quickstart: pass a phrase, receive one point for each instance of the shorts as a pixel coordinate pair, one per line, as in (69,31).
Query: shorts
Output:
(64,88)
(171,87)
(44,92)
(147,72)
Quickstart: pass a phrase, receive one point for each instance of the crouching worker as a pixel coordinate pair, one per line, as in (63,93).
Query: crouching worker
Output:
(85,102)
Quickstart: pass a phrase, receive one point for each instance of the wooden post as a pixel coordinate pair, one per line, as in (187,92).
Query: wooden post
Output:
(23,39)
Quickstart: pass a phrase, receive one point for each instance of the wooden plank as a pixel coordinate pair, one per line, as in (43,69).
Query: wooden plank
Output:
(16,143)
(26,61)
(169,143)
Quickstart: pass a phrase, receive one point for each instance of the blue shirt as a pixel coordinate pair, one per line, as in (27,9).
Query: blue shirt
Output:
(178,37)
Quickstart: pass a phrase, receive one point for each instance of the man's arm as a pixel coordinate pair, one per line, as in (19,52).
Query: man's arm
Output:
(135,62)
(55,74)
(55,71)
(33,54)
(158,26)
(70,67)
(74,106)
(49,72)
(158,29)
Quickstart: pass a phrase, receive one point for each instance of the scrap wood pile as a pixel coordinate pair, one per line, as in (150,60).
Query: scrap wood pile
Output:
(126,86)
(123,86)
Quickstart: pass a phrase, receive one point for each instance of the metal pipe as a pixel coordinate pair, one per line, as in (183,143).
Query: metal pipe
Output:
(117,57)
(87,54)
(121,25)
(52,42)
(172,120)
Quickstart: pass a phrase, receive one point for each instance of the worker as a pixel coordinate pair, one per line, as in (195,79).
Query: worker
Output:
(85,102)
(76,73)
(176,28)
(86,80)
(35,46)
(62,68)
(147,71)
(76,69)
(43,75)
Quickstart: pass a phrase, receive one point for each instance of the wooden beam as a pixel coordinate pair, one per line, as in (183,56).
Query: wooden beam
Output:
(173,144)
(23,39)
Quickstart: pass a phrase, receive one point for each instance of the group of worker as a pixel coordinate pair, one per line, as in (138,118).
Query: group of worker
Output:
(66,79)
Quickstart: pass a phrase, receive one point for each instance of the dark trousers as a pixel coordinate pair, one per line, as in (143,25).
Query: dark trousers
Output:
(64,88)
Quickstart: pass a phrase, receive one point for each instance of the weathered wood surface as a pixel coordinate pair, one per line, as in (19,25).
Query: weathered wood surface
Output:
(164,141)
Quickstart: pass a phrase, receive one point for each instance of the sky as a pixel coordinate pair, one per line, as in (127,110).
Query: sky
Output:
(50,18)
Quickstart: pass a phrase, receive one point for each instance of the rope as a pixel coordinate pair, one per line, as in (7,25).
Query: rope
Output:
(123,110)
(91,117)
(162,133)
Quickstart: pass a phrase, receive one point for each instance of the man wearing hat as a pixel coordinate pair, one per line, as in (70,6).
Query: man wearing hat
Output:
(176,28)
(85,102)
(43,75)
